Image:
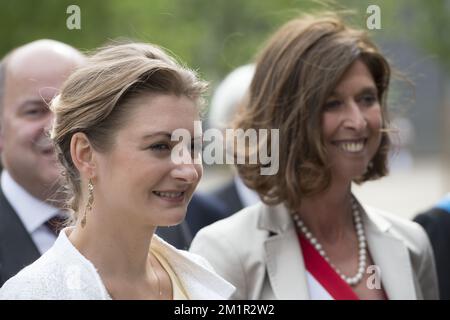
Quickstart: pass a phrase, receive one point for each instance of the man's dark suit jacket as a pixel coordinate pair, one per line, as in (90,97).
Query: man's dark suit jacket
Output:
(436,223)
(229,198)
(17,249)
(202,211)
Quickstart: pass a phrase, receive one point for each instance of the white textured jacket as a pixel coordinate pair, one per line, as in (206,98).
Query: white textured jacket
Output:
(63,273)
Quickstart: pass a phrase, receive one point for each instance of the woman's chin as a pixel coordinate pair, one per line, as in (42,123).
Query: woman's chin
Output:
(350,174)
(172,220)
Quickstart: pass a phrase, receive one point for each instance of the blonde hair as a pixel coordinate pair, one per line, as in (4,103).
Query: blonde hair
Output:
(94,100)
(295,73)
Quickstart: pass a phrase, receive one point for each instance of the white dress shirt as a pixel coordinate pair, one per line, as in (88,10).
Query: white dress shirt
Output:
(247,196)
(32,212)
(315,288)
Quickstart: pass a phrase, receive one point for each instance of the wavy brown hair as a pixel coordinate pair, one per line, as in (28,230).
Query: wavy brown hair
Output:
(295,73)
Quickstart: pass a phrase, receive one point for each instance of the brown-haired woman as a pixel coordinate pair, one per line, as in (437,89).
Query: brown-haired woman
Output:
(323,84)
(113,124)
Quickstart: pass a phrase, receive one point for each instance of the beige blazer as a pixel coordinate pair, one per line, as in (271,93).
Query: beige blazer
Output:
(257,250)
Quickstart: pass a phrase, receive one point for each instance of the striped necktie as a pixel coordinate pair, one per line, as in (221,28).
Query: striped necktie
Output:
(55,224)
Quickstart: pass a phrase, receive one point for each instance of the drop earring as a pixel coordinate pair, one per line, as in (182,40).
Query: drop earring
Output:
(89,202)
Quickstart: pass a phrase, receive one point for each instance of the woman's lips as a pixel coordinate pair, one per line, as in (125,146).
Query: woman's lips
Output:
(352,146)
(171,196)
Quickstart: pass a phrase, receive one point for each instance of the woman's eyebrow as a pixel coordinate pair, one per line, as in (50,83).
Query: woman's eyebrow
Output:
(367,89)
(158,133)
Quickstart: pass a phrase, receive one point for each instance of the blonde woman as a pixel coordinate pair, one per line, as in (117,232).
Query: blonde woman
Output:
(323,84)
(112,132)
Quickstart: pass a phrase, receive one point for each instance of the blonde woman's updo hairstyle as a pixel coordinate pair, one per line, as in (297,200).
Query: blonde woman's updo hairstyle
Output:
(94,100)
(296,72)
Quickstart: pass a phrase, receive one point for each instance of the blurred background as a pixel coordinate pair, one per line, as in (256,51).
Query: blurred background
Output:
(216,36)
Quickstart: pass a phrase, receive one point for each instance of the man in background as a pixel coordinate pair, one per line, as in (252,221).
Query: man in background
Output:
(436,222)
(30,76)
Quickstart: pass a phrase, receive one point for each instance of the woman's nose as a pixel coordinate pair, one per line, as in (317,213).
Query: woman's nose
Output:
(188,173)
(354,117)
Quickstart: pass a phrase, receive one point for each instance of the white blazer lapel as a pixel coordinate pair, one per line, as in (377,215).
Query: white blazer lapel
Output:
(391,255)
(284,260)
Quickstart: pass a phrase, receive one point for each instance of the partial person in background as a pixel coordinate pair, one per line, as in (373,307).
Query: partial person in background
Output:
(30,76)
(323,85)
(436,223)
(180,235)
(203,210)
(112,132)
(227,99)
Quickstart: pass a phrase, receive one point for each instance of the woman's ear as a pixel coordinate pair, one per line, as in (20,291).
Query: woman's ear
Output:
(82,155)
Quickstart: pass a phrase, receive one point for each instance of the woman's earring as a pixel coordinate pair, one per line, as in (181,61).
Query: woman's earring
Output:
(89,202)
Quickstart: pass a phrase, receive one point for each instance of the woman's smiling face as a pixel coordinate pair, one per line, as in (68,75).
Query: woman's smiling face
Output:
(351,122)
(137,178)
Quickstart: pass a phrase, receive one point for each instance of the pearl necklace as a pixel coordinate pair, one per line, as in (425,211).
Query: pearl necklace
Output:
(362,258)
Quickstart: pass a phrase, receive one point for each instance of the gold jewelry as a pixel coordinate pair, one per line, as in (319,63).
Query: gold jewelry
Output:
(89,202)
(156,275)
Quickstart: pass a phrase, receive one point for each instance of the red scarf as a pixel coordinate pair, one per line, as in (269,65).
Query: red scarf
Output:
(324,273)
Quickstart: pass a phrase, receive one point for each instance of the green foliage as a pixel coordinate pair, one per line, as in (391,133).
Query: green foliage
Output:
(431,25)
(213,36)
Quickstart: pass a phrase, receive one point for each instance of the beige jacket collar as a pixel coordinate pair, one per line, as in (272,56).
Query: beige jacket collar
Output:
(285,265)
(390,254)
(286,268)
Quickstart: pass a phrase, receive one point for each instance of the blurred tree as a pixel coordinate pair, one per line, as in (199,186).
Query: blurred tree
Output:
(211,36)
(26,20)
(431,26)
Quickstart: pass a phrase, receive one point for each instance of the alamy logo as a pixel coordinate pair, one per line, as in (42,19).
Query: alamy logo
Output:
(237,146)
(74,20)
(374,20)
(374,280)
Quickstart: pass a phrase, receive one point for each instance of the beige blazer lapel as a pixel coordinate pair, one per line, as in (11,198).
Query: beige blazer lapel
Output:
(391,255)
(285,265)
